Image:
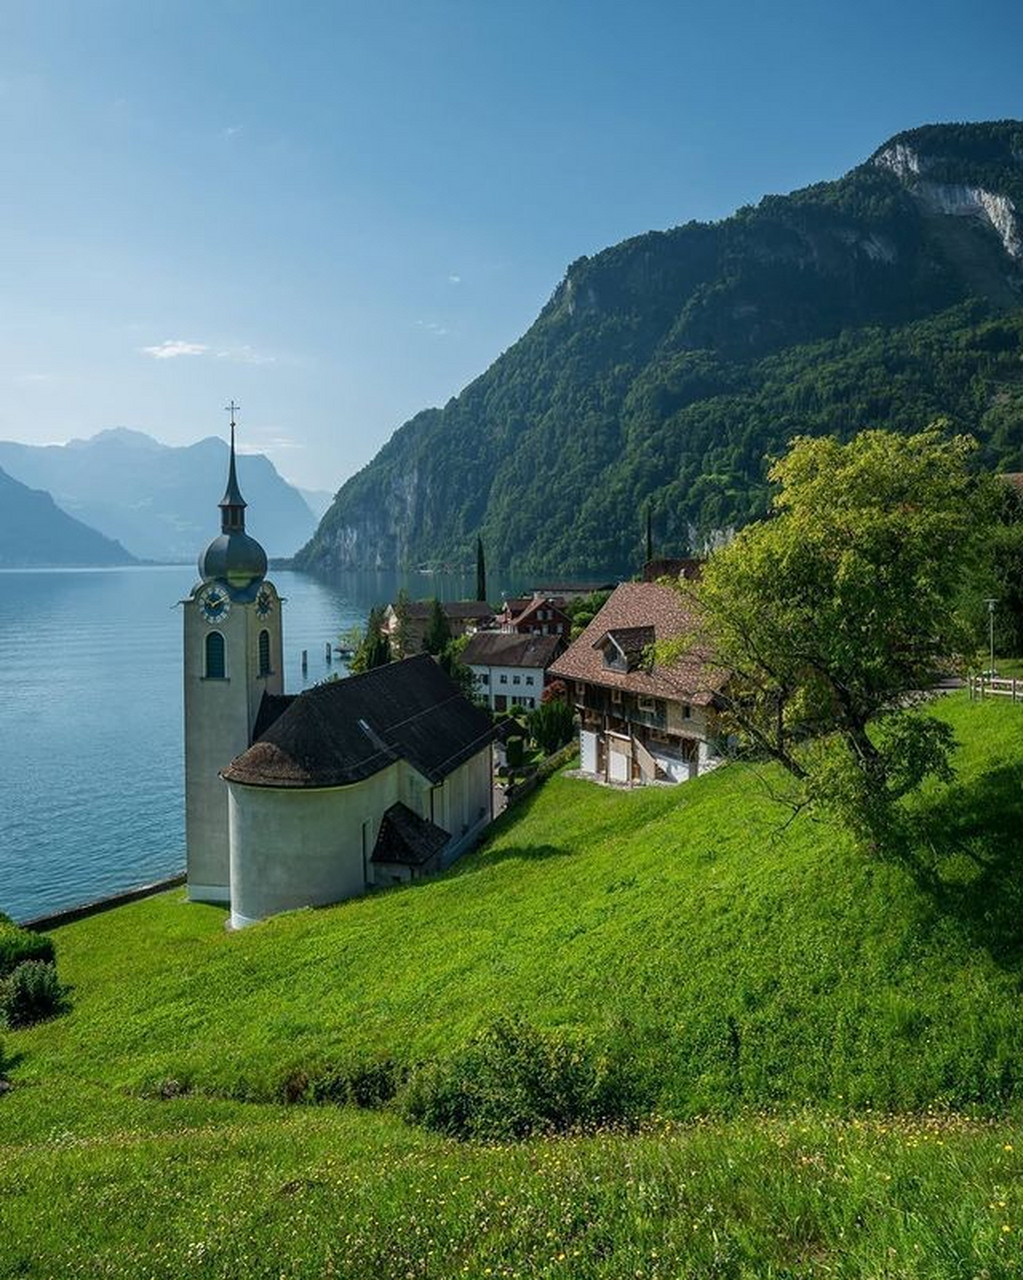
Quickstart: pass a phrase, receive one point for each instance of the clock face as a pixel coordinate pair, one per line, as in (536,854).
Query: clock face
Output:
(214,604)
(264,603)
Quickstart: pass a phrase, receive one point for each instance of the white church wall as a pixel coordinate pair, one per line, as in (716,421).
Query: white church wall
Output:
(298,847)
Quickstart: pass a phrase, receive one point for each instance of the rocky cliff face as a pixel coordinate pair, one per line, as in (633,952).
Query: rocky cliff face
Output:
(664,368)
(957,200)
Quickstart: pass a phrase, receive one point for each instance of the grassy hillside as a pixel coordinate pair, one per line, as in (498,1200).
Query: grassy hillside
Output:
(751,966)
(779,976)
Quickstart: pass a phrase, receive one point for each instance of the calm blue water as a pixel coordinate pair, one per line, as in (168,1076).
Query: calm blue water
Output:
(91,769)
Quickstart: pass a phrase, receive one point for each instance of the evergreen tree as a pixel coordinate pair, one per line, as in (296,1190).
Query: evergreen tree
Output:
(481,571)
(649,536)
(401,640)
(438,633)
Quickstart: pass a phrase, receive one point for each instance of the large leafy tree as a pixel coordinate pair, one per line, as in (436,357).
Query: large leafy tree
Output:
(832,615)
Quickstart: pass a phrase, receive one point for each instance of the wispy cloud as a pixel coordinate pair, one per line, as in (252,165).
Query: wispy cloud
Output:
(245,354)
(269,442)
(174,347)
(431,326)
(454,279)
(232,131)
(33,379)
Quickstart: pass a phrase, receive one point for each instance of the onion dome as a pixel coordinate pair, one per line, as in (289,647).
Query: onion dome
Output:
(233,557)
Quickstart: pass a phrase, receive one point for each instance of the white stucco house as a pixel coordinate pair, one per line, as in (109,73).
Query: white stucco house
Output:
(510,670)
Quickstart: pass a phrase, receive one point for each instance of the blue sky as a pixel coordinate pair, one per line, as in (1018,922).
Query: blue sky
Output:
(341,213)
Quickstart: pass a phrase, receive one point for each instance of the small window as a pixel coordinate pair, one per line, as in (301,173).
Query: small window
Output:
(529,679)
(264,653)
(516,679)
(483,677)
(687,711)
(215,665)
(504,679)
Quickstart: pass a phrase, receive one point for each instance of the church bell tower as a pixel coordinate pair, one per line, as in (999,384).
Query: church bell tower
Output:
(233,655)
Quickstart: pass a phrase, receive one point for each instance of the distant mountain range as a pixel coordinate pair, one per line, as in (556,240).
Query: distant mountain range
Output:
(158,500)
(35,533)
(663,370)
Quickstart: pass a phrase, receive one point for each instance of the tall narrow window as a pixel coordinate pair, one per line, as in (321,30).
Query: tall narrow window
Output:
(264,653)
(215,669)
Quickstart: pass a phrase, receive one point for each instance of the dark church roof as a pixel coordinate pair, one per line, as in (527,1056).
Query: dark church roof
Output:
(346,730)
(271,707)
(408,839)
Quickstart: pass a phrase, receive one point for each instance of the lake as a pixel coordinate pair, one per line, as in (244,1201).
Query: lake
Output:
(91,768)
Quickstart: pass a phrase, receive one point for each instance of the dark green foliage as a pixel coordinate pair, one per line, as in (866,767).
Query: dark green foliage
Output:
(18,945)
(664,370)
(481,571)
(551,725)
(1006,576)
(515,751)
(358,1084)
(30,993)
(584,609)
(450,660)
(374,650)
(437,636)
(514,1080)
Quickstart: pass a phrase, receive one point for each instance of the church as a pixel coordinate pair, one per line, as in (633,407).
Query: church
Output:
(304,800)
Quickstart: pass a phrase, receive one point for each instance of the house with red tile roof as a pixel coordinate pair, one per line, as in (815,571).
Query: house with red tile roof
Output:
(642,720)
(535,615)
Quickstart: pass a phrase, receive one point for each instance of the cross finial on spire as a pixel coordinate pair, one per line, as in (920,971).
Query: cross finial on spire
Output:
(232,505)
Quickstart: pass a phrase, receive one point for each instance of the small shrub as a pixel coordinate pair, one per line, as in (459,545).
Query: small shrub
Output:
(31,993)
(514,752)
(18,945)
(365,1084)
(514,1080)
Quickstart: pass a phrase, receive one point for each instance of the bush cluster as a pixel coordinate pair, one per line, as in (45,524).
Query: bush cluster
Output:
(30,993)
(514,1080)
(361,1084)
(18,945)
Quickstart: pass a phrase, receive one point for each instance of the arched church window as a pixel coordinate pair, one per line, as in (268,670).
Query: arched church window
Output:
(264,653)
(215,664)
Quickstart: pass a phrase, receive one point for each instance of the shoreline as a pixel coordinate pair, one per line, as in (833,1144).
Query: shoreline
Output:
(68,915)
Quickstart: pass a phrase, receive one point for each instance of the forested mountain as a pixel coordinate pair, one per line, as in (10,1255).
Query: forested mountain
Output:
(35,533)
(664,369)
(158,499)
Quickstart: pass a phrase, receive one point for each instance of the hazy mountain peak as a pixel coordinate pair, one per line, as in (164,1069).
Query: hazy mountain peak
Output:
(160,500)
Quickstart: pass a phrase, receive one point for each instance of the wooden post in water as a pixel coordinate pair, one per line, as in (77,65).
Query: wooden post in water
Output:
(305,661)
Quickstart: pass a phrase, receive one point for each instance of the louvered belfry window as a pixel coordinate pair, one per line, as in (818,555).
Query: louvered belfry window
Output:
(264,653)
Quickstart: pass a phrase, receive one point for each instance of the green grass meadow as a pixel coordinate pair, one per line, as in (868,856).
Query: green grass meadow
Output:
(834,1044)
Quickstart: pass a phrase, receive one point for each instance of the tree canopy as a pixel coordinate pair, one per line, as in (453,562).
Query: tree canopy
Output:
(832,615)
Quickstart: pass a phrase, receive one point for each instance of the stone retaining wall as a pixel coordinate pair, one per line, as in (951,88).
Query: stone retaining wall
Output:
(70,914)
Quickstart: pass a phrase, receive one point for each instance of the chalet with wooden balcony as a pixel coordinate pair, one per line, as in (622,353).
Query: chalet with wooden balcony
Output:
(641,720)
